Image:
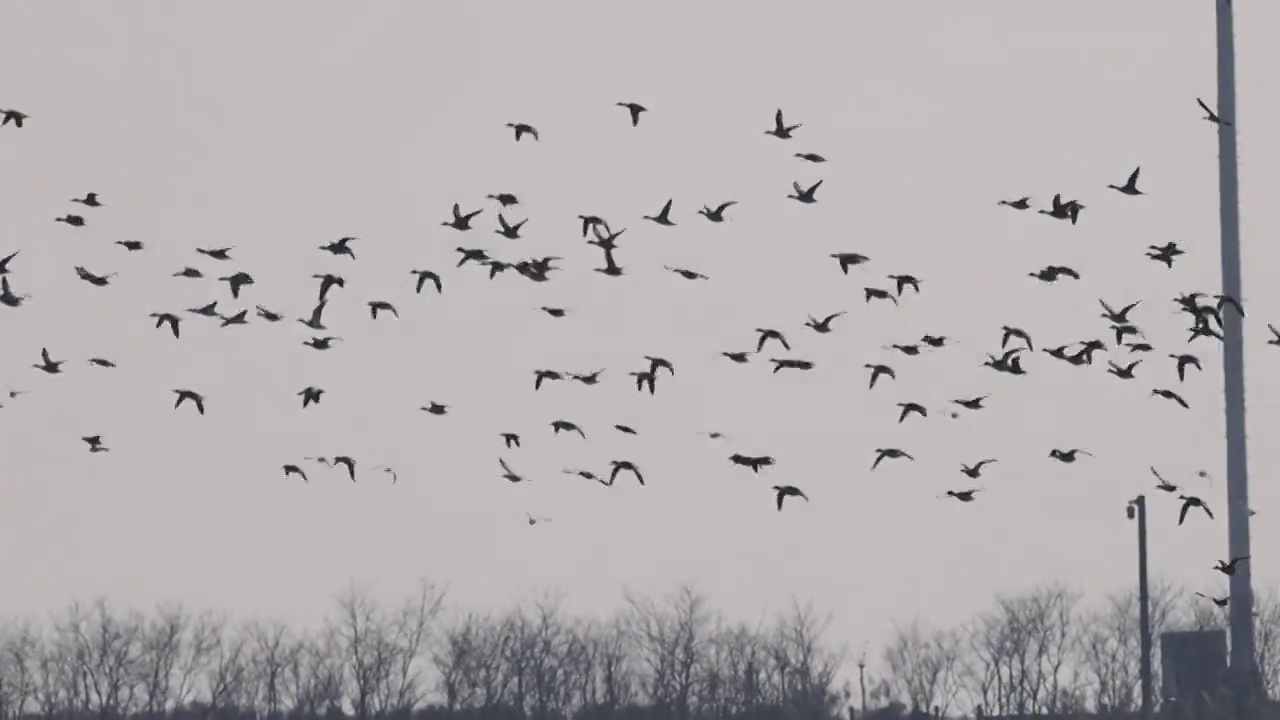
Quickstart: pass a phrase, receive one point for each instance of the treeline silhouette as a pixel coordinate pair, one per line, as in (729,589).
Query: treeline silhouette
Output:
(1045,652)
(1039,653)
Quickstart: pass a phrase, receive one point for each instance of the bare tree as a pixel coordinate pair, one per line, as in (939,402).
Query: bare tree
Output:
(19,672)
(578,687)
(453,657)
(1110,648)
(368,653)
(1266,631)
(58,686)
(410,631)
(517,656)
(226,682)
(470,660)
(799,637)
(272,653)
(1110,654)
(173,650)
(313,680)
(106,651)
(925,666)
(544,639)
(1023,652)
(669,639)
(717,696)
(612,648)
(741,658)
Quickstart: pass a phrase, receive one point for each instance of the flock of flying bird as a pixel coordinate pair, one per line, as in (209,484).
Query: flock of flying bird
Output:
(1204,313)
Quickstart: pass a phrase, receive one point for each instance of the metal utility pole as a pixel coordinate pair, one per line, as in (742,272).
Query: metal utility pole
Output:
(1138,508)
(1243,660)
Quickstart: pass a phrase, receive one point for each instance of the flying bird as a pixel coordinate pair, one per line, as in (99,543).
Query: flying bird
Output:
(509,474)
(48,365)
(522,129)
(1209,115)
(635,109)
(349,463)
(782,492)
(1228,567)
(1191,501)
(189,395)
(163,318)
(341,246)
(780,129)
(12,116)
(805,195)
(663,217)
(963,495)
(716,215)
(1130,186)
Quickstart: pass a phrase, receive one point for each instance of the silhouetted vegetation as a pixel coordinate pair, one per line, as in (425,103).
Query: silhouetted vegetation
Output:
(1041,653)
(1046,653)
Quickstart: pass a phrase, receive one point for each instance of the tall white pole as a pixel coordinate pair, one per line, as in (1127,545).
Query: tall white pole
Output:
(1243,658)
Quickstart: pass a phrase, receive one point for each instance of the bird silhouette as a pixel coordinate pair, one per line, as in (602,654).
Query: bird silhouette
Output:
(1191,501)
(780,129)
(522,129)
(1130,186)
(634,109)
(663,217)
(805,195)
(348,462)
(191,396)
(782,492)
(1209,115)
(716,215)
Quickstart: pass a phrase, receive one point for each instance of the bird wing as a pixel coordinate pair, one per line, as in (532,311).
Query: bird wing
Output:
(1203,106)
(1133,177)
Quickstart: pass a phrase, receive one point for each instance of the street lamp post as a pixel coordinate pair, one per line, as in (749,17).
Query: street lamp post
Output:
(1137,509)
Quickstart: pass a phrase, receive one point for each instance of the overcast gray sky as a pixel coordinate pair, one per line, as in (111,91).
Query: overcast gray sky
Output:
(277,127)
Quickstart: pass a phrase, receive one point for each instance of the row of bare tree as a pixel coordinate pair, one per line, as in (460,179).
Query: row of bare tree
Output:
(1045,652)
(1042,652)
(672,657)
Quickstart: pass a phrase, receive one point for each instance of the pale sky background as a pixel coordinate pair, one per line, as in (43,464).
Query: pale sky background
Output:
(277,127)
